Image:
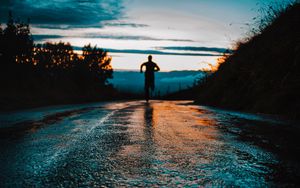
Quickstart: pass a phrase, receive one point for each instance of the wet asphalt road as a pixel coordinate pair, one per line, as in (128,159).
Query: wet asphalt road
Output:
(123,144)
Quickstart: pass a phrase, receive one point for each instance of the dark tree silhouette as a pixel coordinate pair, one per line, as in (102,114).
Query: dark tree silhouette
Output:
(50,72)
(17,43)
(53,55)
(1,42)
(98,62)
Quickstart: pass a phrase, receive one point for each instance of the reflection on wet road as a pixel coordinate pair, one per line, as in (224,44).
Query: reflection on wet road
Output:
(164,143)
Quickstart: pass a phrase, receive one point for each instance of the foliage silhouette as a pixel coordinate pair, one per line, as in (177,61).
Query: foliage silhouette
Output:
(262,75)
(49,73)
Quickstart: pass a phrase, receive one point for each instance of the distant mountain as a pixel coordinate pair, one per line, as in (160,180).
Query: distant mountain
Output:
(165,82)
(263,74)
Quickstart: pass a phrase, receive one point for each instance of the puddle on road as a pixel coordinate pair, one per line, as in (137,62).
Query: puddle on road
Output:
(176,145)
(164,143)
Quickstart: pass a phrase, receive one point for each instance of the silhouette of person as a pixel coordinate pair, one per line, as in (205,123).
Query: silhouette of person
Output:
(151,67)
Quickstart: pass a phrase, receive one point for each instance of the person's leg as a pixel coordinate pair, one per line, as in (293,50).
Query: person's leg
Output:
(147,87)
(151,85)
(147,94)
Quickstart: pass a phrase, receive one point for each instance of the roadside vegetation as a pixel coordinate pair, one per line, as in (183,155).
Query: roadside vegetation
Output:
(262,75)
(50,73)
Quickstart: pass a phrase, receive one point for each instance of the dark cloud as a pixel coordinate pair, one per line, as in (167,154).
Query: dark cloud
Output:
(126,25)
(65,27)
(43,37)
(131,37)
(157,52)
(153,52)
(198,49)
(100,36)
(63,12)
(119,37)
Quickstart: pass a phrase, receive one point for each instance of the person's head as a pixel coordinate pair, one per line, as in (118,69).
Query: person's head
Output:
(150,58)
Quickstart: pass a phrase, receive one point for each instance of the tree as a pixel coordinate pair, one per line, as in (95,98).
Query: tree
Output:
(50,71)
(1,30)
(17,43)
(54,55)
(1,41)
(98,62)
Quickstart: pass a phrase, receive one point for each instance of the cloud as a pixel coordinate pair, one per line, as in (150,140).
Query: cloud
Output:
(40,37)
(198,49)
(132,37)
(64,12)
(153,52)
(44,37)
(157,52)
(124,24)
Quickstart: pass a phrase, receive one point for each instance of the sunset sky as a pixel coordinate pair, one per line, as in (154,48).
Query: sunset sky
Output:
(181,34)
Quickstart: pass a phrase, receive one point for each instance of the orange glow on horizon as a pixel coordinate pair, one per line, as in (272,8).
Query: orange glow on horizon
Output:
(213,68)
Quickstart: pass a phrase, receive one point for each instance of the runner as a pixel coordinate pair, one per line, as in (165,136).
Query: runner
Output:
(151,67)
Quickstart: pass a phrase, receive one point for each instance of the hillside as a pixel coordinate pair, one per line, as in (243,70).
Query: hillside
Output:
(263,74)
(165,82)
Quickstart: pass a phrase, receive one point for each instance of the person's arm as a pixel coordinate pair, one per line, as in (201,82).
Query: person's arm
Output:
(141,68)
(156,68)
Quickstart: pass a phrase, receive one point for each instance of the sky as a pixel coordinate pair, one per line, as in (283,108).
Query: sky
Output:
(180,34)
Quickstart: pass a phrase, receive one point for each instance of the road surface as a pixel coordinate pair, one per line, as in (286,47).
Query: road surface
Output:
(131,143)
